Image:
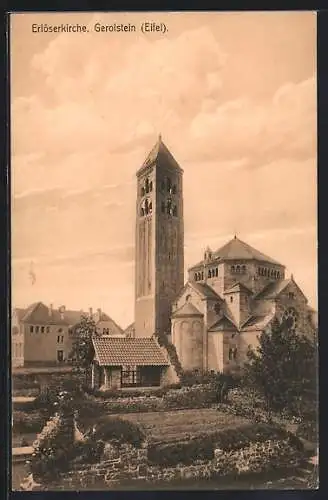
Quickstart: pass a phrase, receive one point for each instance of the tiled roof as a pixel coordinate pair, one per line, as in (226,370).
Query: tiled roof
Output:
(40,313)
(273,289)
(186,311)
(238,287)
(120,351)
(223,323)
(205,290)
(236,249)
(258,322)
(158,153)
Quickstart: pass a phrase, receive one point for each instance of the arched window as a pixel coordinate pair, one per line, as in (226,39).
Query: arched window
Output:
(232,269)
(230,353)
(150,208)
(195,276)
(237,269)
(175,211)
(174,189)
(209,273)
(272,273)
(235,353)
(168,207)
(216,272)
(146,207)
(151,186)
(168,185)
(147,186)
(278,275)
(202,275)
(142,191)
(243,269)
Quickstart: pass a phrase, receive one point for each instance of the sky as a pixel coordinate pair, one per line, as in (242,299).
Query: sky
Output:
(234,98)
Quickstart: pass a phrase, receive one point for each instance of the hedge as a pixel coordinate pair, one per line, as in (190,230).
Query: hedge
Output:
(202,447)
(119,431)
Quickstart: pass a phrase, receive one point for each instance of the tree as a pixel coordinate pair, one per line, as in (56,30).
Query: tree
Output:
(82,350)
(284,369)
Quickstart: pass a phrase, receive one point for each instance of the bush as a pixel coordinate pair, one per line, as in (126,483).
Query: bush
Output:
(118,431)
(229,440)
(185,452)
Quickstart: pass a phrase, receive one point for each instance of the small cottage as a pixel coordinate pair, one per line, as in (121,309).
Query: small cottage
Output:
(121,362)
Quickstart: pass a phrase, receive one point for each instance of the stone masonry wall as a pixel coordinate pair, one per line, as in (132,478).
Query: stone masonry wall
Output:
(128,464)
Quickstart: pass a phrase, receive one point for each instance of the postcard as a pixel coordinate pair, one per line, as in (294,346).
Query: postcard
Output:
(164,331)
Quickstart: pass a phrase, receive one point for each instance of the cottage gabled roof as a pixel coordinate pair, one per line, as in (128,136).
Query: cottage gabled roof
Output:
(159,153)
(123,351)
(186,311)
(237,249)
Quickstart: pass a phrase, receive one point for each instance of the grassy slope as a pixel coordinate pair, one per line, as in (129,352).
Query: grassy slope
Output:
(182,424)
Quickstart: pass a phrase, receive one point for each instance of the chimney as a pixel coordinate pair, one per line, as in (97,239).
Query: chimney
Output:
(50,309)
(62,311)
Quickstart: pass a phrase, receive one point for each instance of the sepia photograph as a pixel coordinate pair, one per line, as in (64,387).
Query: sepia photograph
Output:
(164,322)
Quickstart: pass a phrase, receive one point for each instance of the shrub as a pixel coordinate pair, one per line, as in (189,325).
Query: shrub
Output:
(229,440)
(200,396)
(118,431)
(185,452)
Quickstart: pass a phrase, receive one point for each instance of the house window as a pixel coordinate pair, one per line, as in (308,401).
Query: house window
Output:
(243,269)
(48,329)
(202,275)
(142,191)
(60,330)
(60,339)
(31,329)
(42,329)
(237,269)
(232,269)
(209,273)
(291,295)
(216,272)
(231,298)
(150,186)
(37,329)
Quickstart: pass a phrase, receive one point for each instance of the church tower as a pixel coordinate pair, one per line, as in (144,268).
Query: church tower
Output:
(159,250)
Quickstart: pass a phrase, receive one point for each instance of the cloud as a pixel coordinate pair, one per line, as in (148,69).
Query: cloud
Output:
(284,127)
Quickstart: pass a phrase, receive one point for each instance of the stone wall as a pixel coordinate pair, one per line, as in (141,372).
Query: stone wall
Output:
(127,464)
